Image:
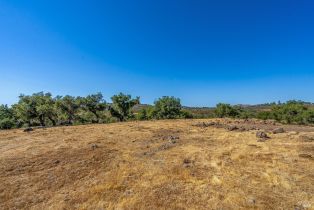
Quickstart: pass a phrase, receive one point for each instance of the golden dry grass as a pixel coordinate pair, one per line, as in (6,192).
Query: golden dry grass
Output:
(154,165)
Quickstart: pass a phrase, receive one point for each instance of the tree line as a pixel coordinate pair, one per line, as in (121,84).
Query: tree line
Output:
(291,112)
(42,109)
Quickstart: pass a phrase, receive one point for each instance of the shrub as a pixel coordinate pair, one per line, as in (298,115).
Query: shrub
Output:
(7,123)
(265,115)
(167,108)
(186,114)
(225,110)
(290,112)
(309,117)
(146,113)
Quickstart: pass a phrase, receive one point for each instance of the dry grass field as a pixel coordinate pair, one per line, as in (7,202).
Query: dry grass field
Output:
(171,164)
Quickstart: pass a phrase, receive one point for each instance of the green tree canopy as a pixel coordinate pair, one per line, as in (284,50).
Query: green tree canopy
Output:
(6,117)
(68,107)
(167,107)
(95,104)
(122,105)
(37,107)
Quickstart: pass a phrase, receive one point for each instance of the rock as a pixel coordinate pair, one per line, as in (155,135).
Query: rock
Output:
(251,200)
(278,130)
(28,129)
(187,162)
(94,146)
(232,128)
(128,192)
(211,124)
(242,129)
(56,162)
(171,139)
(204,124)
(303,205)
(261,135)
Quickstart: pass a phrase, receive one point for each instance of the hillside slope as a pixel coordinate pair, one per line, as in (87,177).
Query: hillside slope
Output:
(171,164)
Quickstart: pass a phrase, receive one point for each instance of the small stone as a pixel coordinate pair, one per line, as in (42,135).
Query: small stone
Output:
(251,200)
(186,161)
(278,130)
(232,128)
(128,192)
(303,205)
(211,124)
(242,129)
(28,129)
(172,141)
(94,146)
(261,135)
(173,137)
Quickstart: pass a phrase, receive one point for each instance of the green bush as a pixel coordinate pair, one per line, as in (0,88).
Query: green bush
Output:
(7,123)
(226,110)
(146,113)
(185,114)
(265,115)
(167,108)
(290,112)
(309,117)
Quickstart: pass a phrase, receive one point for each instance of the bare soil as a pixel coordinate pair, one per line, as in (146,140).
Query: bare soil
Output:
(170,164)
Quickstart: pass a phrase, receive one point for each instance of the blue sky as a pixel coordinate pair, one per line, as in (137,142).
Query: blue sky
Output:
(202,51)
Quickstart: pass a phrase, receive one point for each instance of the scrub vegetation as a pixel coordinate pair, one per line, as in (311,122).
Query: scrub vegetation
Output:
(42,109)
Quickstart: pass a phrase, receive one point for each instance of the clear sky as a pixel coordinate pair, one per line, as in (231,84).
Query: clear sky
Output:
(203,51)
